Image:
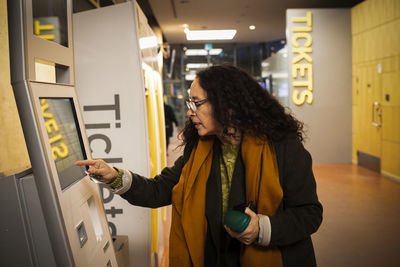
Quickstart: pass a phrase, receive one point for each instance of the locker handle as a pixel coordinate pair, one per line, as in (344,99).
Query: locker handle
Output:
(376,109)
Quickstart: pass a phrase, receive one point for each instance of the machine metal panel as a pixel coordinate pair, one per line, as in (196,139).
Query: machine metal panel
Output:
(14,239)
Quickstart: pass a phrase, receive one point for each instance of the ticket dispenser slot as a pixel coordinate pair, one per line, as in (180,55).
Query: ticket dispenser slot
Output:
(95,218)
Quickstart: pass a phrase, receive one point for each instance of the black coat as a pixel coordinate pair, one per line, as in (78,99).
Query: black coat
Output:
(298,216)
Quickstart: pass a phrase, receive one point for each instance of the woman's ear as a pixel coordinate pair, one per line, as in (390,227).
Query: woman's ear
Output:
(230,131)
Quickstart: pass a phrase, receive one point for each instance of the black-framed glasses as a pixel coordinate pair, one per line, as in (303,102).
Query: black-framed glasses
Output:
(193,105)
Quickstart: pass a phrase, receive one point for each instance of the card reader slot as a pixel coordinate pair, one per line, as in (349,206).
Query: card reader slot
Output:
(106,246)
(82,235)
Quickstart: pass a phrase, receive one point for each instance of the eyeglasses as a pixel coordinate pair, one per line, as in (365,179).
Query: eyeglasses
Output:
(193,105)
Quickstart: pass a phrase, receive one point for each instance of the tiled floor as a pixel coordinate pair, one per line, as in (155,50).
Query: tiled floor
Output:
(361,226)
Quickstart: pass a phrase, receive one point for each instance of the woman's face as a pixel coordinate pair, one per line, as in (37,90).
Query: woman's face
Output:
(203,118)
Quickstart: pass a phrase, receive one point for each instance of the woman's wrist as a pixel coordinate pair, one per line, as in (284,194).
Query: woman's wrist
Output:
(116,182)
(111,180)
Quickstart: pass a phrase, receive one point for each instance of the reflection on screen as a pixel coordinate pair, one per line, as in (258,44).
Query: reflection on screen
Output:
(50,20)
(64,137)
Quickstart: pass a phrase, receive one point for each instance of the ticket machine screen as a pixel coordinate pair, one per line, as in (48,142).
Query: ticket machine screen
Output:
(65,138)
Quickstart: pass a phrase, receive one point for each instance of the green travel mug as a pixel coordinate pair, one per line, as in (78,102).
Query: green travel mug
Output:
(237,221)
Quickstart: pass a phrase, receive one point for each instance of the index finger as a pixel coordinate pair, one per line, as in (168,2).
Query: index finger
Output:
(89,162)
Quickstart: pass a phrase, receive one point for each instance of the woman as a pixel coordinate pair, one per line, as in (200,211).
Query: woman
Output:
(240,147)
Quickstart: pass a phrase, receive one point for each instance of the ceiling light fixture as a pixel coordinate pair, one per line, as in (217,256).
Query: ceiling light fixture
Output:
(203,52)
(197,65)
(252,27)
(148,42)
(190,77)
(209,34)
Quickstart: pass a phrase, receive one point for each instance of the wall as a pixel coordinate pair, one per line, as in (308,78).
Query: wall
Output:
(376,79)
(14,156)
(326,110)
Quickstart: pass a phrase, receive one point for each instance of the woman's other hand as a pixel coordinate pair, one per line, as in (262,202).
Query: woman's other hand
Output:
(99,167)
(250,234)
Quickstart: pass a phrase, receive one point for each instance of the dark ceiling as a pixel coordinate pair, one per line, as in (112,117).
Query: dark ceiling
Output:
(267,15)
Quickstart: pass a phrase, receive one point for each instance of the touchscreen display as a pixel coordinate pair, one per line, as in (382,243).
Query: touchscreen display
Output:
(64,138)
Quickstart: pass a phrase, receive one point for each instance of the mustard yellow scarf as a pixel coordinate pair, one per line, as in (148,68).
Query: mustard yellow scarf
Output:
(189,226)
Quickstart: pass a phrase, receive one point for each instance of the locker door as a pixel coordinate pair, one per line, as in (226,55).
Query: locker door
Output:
(369,112)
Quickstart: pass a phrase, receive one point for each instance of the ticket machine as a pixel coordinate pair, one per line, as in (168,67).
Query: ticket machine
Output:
(42,77)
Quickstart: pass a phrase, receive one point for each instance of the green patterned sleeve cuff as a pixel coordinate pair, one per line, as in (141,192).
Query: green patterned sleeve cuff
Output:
(117,183)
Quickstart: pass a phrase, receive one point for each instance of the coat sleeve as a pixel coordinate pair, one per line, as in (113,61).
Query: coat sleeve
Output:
(154,192)
(300,213)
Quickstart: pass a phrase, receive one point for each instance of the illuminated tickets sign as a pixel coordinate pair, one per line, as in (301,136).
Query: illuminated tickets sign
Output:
(302,64)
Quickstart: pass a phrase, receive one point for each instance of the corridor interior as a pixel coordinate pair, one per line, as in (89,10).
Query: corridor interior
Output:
(361,220)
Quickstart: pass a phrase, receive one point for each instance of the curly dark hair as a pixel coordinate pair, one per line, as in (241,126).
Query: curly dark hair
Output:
(239,102)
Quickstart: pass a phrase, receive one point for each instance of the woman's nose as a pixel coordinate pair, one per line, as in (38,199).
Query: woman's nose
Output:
(190,112)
